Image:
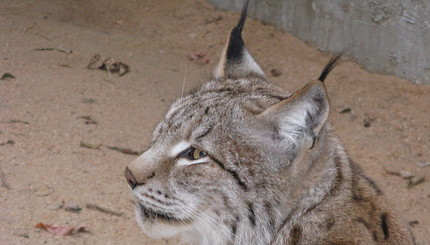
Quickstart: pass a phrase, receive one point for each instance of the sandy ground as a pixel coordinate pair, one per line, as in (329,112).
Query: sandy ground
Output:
(41,130)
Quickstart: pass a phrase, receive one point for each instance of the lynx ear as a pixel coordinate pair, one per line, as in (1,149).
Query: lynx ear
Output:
(235,59)
(301,116)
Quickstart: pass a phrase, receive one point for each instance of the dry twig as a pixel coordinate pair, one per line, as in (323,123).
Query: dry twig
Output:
(3,180)
(124,150)
(102,209)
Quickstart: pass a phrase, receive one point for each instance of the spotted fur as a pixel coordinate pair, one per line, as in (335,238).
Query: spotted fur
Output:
(241,161)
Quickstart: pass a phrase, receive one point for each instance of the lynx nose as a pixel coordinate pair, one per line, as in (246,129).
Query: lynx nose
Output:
(130,178)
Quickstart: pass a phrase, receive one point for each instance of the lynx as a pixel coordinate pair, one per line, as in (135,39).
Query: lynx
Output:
(241,161)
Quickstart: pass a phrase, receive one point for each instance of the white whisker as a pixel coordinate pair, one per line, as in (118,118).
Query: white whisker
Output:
(190,213)
(214,225)
(183,82)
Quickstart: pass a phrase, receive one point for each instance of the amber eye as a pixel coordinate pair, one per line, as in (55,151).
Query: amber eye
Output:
(193,153)
(198,153)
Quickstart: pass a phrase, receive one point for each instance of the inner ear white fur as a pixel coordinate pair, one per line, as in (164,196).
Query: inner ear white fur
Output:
(292,124)
(302,115)
(251,64)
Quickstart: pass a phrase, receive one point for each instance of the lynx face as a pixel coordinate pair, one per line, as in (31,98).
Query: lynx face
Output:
(241,161)
(217,165)
(210,151)
(216,152)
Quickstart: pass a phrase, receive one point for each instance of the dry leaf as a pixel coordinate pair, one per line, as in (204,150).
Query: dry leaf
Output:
(24,235)
(123,69)
(413,223)
(416,181)
(391,172)
(88,101)
(90,146)
(15,121)
(423,164)
(7,76)
(346,110)
(198,58)
(110,65)
(114,66)
(75,208)
(212,20)
(65,65)
(44,49)
(61,229)
(42,190)
(93,60)
(88,119)
(3,180)
(59,49)
(9,142)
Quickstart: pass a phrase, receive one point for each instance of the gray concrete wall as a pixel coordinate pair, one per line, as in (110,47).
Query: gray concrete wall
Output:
(386,36)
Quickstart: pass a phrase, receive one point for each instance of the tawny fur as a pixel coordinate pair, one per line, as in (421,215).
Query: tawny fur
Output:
(265,167)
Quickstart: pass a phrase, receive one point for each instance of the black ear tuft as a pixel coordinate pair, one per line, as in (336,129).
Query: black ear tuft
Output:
(243,14)
(330,65)
(235,61)
(236,45)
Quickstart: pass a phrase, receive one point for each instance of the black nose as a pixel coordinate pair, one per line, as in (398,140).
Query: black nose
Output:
(130,178)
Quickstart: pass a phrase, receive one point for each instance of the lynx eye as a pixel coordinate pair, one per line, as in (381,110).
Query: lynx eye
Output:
(193,153)
(197,154)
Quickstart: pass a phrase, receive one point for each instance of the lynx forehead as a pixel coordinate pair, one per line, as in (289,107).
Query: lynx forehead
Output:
(241,161)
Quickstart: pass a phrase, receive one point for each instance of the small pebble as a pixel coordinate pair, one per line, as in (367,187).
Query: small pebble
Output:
(406,175)
(346,110)
(275,72)
(368,120)
(413,223)
(367,124)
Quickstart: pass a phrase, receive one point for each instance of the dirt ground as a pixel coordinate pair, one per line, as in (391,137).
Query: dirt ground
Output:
(44,166)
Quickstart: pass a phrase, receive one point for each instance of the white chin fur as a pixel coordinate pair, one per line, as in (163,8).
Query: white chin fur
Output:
(159,229)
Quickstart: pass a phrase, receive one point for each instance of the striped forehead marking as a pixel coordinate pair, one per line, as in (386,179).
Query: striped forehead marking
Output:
(180,147)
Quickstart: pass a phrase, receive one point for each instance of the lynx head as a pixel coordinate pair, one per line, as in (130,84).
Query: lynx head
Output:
(221,158)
